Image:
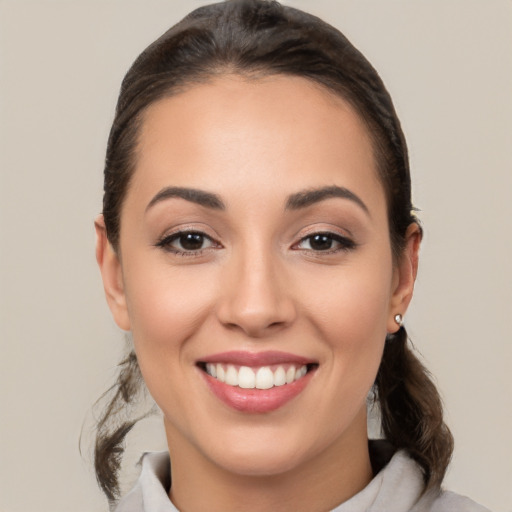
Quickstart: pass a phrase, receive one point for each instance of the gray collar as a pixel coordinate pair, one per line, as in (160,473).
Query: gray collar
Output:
(150,493)
(398,487)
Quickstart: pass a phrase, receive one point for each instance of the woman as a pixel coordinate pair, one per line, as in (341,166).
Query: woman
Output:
(258,240)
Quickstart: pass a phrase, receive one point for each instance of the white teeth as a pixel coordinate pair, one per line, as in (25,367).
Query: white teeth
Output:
(300,372)
(220,373)
(231,376)
(246,378)
(279,377)
(211,369)
(290,375)
(264,378)
(261,378)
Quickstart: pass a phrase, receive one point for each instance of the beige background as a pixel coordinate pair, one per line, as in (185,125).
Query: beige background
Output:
(448,66)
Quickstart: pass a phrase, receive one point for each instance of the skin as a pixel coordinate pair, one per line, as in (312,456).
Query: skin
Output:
(259,285)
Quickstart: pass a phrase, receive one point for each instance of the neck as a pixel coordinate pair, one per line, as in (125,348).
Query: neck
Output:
(321,483)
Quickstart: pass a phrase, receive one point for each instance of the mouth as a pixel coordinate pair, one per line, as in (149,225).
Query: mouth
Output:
(261,377)
(256,383)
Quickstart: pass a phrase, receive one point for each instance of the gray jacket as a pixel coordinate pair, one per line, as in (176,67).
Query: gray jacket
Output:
(398,487)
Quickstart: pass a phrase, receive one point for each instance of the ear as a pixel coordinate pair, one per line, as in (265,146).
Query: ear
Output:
(111,273)
(405,276)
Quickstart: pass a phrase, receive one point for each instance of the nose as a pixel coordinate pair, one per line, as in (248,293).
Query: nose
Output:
(256,295)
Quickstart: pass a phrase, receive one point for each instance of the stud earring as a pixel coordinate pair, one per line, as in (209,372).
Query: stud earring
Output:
(399,319)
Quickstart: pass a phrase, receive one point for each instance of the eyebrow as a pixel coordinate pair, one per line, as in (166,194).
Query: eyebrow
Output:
(308,197)
(206,199)
(296,201)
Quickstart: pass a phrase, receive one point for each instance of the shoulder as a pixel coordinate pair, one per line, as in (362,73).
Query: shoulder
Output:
(150,493)
(447,501)
(401,486)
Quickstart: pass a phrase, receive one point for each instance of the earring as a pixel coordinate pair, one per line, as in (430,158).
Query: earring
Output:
(399,319)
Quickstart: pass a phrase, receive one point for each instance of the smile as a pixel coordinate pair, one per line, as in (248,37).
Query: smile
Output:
(256,382)
(263,377)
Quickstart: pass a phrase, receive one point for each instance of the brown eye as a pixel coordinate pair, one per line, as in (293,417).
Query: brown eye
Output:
(191,241)
(186,242)
(326,242)
(321,242)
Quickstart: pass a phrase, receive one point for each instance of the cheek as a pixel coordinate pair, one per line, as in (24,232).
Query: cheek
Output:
(165,306)
(349,313)
(161,297)
(351,306)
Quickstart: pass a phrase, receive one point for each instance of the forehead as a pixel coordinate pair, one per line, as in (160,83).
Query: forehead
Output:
(244,133)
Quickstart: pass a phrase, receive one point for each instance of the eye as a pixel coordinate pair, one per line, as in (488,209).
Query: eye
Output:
(325,242)
(187,242)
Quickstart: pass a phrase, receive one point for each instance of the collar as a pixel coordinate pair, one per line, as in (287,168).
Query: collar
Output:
(398,481)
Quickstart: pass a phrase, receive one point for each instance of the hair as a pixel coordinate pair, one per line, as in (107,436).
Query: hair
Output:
(255,38)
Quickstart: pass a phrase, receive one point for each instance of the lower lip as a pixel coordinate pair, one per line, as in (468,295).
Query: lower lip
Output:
(256,400)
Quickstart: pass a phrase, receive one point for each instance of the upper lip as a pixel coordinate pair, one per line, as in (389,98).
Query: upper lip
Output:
(266,358)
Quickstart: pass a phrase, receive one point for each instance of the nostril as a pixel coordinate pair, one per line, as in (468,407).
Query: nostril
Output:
(277,324)
(255,300)
(255,326)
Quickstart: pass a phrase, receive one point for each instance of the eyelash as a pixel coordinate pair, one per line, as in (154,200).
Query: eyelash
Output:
(344,244)
(165,243)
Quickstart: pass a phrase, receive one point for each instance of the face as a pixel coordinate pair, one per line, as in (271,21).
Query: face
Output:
(254,249)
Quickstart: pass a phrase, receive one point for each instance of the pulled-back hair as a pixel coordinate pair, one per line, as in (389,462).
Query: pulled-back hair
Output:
(255,38)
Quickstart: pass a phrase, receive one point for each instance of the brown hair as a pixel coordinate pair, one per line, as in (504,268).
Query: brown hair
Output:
(254,38)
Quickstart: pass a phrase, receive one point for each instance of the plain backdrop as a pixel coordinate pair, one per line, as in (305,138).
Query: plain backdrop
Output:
(448,66)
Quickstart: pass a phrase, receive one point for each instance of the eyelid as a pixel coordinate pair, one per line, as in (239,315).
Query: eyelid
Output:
(311,226)
(346,243)
(189,227)
(164,242)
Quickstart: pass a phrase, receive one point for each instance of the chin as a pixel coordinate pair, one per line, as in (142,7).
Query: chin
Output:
(263,452)
(259,463)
